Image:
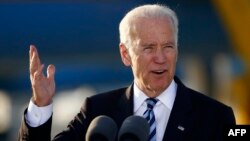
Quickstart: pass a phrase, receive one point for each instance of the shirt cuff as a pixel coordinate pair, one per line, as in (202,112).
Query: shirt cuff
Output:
(37,116)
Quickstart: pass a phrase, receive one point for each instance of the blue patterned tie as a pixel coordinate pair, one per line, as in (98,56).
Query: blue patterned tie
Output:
(150,116)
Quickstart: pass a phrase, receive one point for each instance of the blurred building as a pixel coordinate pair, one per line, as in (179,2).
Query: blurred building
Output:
(81,39)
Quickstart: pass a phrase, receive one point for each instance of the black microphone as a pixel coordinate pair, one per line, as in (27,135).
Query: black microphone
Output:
(101,128)
(134,128)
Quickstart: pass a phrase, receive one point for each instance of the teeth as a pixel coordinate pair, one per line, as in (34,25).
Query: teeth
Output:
(159,71)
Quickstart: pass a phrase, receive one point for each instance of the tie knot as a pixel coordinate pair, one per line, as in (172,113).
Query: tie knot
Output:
(151,103)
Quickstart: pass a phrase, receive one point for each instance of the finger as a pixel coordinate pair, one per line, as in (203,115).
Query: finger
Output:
(38,75)
(33,65)
(51,72)
(32,51)
(35,60)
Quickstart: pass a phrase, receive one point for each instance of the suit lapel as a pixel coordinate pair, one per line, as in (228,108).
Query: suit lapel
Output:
(124,106)
(181,118)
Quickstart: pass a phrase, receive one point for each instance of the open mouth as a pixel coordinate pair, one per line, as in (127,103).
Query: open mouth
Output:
(159,72)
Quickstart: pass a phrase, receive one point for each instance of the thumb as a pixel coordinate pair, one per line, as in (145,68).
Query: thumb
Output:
(51,72)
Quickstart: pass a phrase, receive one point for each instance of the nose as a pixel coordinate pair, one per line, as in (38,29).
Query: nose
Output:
(160,56)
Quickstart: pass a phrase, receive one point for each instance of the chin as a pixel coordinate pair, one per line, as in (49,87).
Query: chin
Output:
(159,88)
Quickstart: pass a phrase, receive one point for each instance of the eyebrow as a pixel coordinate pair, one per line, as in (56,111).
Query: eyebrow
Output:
(148,44)
(164,44)
(168,43)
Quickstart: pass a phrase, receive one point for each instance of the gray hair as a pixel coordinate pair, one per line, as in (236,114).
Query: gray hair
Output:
(127,24)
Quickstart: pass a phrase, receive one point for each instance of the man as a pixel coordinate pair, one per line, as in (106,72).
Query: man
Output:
(149,45)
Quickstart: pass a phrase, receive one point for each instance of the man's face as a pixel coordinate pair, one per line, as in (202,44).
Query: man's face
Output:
(153,55)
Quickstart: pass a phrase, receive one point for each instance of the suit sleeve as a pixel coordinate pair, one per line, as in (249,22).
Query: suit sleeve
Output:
(28,133)
(227,118)
(231,117)
(75,131)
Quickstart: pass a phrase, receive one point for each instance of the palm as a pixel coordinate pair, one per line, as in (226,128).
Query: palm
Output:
(43,87)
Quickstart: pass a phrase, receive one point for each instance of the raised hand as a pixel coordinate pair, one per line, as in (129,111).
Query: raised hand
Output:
(43,87)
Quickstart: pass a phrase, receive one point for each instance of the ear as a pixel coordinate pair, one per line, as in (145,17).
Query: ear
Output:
(124,54)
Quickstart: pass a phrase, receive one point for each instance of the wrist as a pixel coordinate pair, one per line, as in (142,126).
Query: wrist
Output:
(41,103)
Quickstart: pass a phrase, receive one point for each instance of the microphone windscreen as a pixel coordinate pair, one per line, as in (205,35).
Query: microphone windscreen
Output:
(101,128)
(134,128)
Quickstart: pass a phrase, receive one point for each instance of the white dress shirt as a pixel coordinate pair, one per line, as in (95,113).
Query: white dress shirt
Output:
(161,110)
(37,116)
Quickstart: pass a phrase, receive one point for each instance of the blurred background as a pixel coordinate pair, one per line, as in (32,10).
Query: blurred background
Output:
(81,39)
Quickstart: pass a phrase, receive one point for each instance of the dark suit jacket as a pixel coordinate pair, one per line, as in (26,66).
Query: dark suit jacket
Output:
(202,118)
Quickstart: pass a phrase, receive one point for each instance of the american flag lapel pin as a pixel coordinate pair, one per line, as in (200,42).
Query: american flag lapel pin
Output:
(181,128)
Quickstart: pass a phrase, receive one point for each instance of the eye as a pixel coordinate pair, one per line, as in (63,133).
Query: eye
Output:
(147,48)
(168,46)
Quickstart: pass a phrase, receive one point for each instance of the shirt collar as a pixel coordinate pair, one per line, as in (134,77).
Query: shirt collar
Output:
(167,97)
